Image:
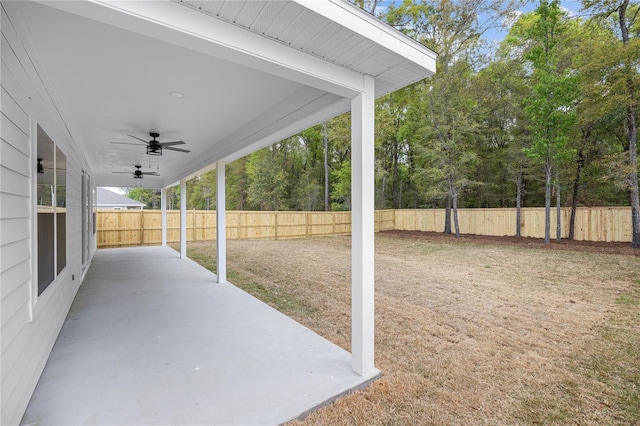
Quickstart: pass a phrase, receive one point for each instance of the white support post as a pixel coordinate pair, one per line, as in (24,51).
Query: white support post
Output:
(163,207)
(362,230)
(183,218)
(221,223)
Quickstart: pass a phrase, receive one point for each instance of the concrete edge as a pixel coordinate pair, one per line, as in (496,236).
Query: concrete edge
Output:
(334,398)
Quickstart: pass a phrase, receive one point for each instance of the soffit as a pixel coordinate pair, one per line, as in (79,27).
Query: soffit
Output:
(301,26)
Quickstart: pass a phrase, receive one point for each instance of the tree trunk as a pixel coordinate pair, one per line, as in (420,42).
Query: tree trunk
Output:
(558,209)
(382,192)
(518,200)
(243,184)
(395,174)
(447,216)
(633,136)
(635,198)
(455,213)
(547,202)
(633,160)
(574,195)
(325,139)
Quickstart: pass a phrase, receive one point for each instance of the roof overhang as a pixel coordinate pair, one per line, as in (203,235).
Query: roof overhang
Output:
(251,72)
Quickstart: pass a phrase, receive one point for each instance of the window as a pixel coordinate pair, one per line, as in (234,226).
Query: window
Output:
(52,210)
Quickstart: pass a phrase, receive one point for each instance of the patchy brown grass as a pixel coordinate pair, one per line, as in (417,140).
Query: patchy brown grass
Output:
(466,333)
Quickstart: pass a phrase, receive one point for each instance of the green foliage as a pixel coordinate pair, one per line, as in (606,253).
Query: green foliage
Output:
(269,180)
(150,197)
(341,193)
(550,107)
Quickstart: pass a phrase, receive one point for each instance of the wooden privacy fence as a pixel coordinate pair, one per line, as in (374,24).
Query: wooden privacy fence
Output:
(611,224)
(119,228)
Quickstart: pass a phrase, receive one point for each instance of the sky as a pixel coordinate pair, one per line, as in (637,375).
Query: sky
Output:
(573,6)
(116,190)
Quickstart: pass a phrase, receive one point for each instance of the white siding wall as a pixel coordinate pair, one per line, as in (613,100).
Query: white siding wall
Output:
(30,327)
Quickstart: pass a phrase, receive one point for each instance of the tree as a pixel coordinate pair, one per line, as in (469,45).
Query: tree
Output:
(150,197)
(623,84)
(453,29)
(447,137)
(236,184)
(503,85)
(202,191)
(268,187)
(393,140)
(325,152)
(339,145)
(550,108)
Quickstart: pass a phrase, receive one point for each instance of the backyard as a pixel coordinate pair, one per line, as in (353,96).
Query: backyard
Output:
(469,331)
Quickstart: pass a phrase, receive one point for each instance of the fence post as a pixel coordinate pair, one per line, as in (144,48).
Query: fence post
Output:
(141,227)
(333,223)
(195,225)
(276,224)
(120,230)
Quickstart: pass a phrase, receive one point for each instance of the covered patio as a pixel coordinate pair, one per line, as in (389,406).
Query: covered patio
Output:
(153,339)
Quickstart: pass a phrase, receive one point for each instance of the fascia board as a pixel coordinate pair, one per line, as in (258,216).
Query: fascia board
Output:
(182,26)
(360,22)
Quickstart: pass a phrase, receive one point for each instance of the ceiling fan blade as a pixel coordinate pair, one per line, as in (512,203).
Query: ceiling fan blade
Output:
(122,172)
(127,143)
(150,173)
(175,149)
(135,137)
(163,144)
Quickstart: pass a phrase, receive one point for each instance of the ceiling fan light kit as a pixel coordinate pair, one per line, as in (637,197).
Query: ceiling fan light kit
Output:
(154,150)
(155,147)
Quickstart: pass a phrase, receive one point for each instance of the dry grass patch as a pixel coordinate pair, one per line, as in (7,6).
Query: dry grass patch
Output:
(465,333)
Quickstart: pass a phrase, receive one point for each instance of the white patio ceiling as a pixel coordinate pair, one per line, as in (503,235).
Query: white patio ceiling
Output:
(251,72)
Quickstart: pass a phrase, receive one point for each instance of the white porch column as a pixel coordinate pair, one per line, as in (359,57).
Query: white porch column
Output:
(183,218)
(163,207)
(221,223)
(362,226)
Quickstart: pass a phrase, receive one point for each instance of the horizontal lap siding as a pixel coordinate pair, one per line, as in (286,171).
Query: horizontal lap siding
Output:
(15,243)
(26,345)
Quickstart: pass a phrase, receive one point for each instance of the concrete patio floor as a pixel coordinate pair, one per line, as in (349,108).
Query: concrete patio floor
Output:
(152,339)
